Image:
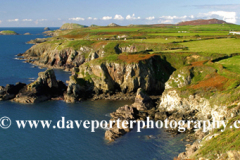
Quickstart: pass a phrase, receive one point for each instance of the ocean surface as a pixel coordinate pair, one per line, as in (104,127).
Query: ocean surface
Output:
(75,143)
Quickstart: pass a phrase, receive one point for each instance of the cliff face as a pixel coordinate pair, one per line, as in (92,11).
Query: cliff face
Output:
(196,87)
(45,55)
(61,54)
(210,91)
(125,77)
(111,77)
(171,101)
(44,88)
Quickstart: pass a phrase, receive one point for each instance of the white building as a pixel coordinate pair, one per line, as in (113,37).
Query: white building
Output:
(238,33)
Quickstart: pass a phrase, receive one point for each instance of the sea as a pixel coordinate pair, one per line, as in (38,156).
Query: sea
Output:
(77,143)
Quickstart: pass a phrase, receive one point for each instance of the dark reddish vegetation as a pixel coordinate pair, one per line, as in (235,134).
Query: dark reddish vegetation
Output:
(202,22)
(211,81)
(99,44)
(199,63)
(135,58)
(74,36)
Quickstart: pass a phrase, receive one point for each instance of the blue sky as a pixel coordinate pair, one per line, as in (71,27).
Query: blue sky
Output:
(53,13)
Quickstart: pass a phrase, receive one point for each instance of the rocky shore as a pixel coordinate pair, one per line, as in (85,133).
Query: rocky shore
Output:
(44,88)
(139,110)
(191,85)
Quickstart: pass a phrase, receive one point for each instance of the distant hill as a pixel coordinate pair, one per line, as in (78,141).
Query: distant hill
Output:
(93,25)
(113,25)
(72,26)
(202,22)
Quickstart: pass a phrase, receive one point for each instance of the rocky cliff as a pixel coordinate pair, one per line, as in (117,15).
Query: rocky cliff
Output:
(66,53)
(44,88)
(139,110)
(104,76)
(209,90)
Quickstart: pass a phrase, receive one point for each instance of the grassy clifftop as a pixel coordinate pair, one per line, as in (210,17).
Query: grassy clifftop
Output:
(72,26)
(205,56)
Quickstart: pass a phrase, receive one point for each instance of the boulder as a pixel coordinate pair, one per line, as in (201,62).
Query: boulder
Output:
(46,28)
(10,91)
(44,88)
(27,33)
(139,110)
(142,101)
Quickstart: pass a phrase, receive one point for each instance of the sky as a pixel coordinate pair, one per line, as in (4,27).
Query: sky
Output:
(54,13)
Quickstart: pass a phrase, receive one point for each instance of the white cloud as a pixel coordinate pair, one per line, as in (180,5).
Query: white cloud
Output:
(118,17)
(107,18)
(27,20)
(42,20)
(175,19)
(0,21)
(230,17)
(77,19)
(165,21)
(91,18)
(59,19)
(129,17)
(150,18)
(13,20)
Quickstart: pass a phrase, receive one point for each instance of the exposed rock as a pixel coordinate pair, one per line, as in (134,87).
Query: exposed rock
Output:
(46,28)
(123,113)
(172,101)
(51,33)
(127,113)
(45,56)
(142,101)
(27,33)
(127,78)
(77,89)
(113,25)
(10,91)
(44,88)
(37,40)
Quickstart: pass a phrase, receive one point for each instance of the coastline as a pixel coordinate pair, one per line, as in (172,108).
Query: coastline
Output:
(173,103)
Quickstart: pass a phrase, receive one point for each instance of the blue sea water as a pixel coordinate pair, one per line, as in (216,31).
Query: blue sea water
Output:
(75,143)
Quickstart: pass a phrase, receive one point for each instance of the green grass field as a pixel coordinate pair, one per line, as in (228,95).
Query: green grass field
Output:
(225,45)
(232,64)
(192,34)
(159,40)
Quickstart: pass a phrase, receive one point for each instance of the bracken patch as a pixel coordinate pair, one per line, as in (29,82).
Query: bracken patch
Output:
(199,63)
(216,81)
(135,58)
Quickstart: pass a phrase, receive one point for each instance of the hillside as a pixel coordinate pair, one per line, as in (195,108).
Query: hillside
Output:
(202,22)
(72,26)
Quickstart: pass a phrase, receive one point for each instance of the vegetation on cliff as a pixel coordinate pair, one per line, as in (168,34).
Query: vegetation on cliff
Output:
(196,63)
